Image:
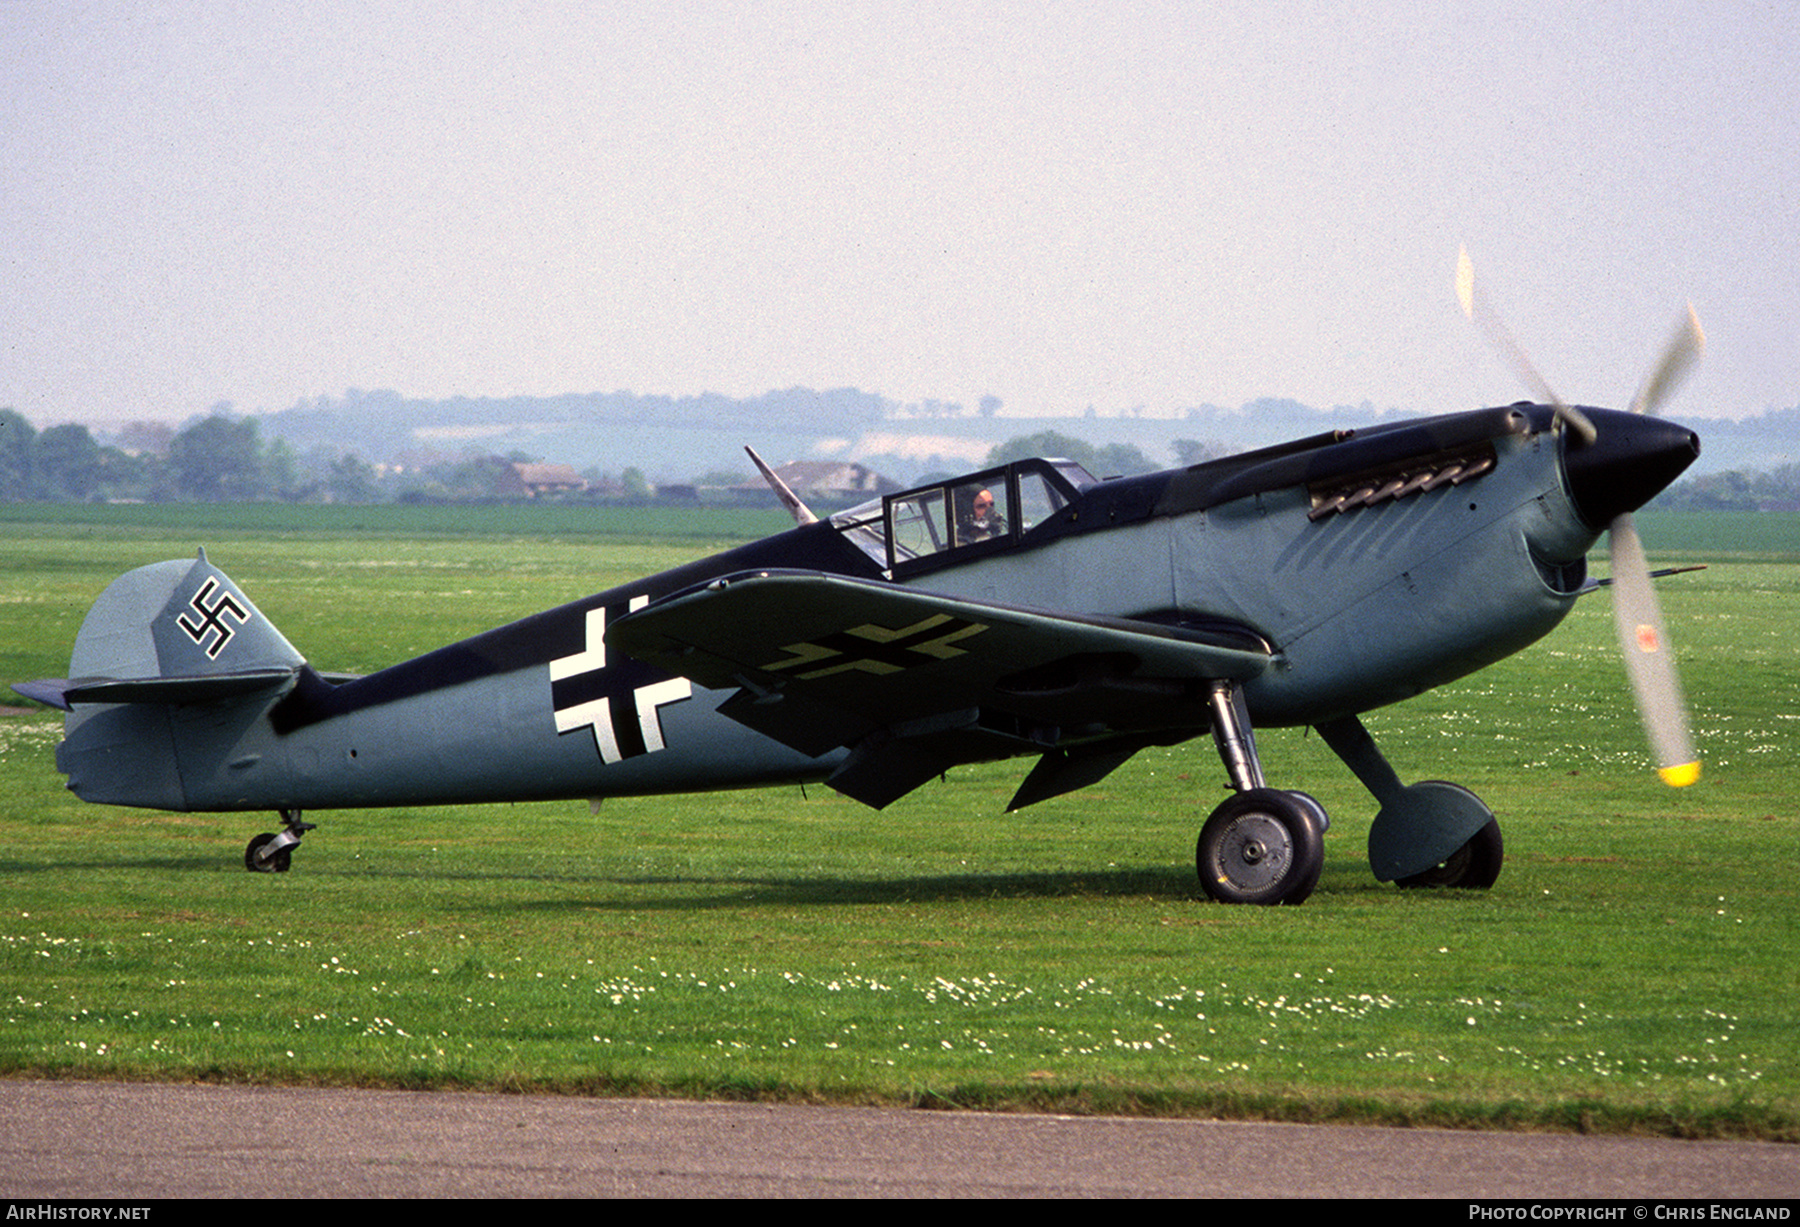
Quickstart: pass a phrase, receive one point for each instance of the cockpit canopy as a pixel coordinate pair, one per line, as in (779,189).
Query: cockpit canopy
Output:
(961,517)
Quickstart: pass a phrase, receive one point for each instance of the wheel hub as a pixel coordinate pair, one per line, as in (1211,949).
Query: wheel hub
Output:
(1255,851)
(1261,846)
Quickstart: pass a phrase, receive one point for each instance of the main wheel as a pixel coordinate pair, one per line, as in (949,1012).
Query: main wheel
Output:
(1261,846)
(1474,866)
(277,863)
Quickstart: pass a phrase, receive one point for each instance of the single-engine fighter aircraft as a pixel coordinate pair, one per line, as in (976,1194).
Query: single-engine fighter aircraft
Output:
(1028,610)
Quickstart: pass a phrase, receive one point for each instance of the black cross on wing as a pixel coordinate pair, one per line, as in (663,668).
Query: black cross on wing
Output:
(878,649)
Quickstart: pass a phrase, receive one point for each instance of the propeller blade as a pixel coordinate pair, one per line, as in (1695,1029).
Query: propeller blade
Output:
(1647,657)
(1641,635)
(1683,350)
(1475,306)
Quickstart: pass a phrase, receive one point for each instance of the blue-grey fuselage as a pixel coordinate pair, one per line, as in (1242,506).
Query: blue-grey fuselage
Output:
(1321,579)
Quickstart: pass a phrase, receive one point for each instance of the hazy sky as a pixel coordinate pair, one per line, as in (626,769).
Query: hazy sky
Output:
(1062,205)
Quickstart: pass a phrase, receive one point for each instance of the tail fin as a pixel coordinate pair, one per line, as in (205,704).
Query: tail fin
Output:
(176,632)
(172,632)
(160,640)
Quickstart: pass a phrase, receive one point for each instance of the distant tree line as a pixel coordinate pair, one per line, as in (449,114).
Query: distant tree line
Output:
(1113,460)
(213,459)
(1105,460)
(64,463)
(1735,490)
(222,458)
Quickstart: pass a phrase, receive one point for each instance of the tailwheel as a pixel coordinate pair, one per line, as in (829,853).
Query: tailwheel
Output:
(1474,866)
(1262,846)
(274,853)
(256,860)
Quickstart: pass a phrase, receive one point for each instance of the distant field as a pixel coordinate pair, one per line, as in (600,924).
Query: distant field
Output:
(1739,535)
(1633,969)
(397,519)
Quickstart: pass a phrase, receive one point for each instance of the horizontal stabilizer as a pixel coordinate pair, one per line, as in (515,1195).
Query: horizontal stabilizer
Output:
(175,633)
(178,690)
(52,692)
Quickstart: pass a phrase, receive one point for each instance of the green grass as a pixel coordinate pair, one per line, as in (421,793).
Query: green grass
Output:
(1634,969)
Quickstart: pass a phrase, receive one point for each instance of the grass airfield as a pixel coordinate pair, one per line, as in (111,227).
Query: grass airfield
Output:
(1634,970)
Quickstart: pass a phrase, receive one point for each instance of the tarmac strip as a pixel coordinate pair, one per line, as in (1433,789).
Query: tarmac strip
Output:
(145,1140)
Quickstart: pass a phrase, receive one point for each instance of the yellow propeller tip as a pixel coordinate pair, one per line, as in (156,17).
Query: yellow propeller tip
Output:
(1465,282)
(1680,777)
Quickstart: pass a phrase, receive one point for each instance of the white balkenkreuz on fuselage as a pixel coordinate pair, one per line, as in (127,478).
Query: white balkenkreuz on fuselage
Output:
(619,703)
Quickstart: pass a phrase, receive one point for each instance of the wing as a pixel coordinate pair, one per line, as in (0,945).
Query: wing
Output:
(913,682)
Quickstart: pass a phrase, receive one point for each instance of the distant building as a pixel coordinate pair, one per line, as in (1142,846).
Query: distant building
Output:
(836,480)
(541,479)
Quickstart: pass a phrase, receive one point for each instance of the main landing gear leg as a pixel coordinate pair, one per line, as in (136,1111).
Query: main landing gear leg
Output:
(1426,834)
(1262,845)
(272,853)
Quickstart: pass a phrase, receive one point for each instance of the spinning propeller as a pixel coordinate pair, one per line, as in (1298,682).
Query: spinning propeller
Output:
(1635,608)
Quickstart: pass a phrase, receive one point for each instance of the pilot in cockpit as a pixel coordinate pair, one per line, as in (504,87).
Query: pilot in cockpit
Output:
(979,522)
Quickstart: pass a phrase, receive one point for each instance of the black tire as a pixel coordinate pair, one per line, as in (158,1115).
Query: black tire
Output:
(1321,823)
(278,863)
(1262,846)
(1474,866)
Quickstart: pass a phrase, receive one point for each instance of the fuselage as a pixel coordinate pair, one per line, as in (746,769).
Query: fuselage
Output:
(1373,567)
